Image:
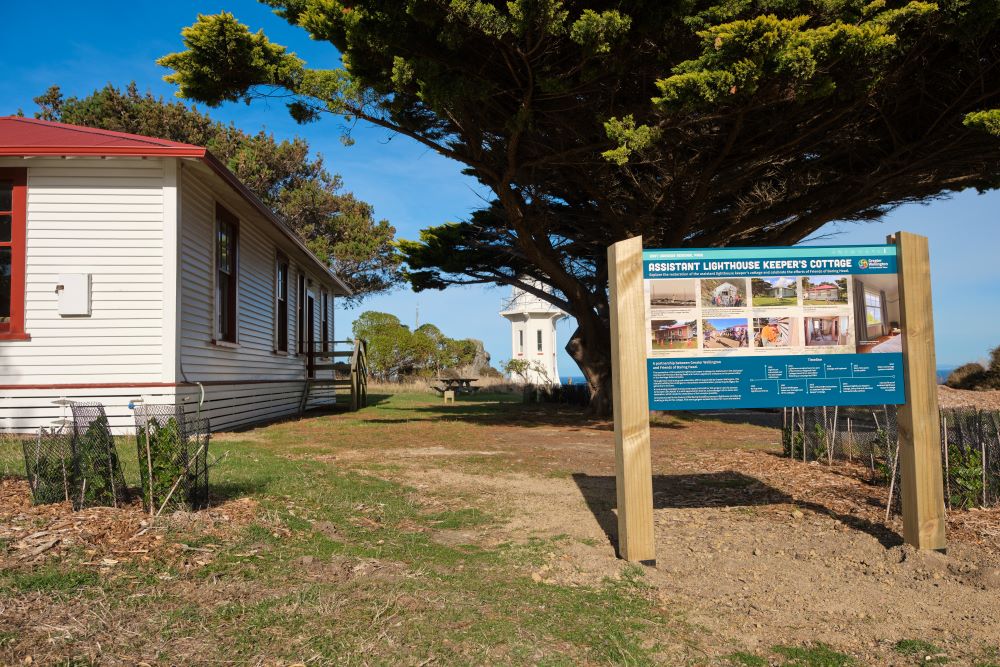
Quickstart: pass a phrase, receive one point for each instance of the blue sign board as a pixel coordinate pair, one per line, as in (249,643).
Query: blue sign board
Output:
(773,327)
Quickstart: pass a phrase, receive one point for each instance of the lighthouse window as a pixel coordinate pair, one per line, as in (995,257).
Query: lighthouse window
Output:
(539,332)
(520,341)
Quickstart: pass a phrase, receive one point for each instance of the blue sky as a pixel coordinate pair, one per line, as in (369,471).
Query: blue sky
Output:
(83,46)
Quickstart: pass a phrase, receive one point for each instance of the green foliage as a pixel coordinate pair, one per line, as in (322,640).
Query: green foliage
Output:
(819,441)
(395,352)
(599,31)
(165,457)
(50,473)
(965,468)
(221,49)
(96,467)
(338,227)
(987,121)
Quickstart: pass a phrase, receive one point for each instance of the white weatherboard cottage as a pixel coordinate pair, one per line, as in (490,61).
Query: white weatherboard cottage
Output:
(139,268)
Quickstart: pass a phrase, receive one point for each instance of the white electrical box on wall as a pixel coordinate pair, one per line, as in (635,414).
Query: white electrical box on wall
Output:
(74,294)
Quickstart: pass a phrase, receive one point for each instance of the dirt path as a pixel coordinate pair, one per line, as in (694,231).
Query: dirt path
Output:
(753,548)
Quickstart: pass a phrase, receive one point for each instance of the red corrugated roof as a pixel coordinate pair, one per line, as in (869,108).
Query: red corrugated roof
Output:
(30,136)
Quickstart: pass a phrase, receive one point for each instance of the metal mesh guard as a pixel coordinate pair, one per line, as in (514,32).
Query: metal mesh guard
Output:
(173,451)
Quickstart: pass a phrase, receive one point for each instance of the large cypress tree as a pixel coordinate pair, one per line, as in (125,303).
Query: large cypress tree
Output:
(691,122)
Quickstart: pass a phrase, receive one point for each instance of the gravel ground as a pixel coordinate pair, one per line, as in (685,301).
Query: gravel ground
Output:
(961,398)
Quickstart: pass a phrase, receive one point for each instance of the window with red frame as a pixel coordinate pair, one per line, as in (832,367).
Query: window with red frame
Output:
(13,197)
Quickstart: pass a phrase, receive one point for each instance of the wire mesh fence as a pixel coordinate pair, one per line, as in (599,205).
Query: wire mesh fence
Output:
(48,465)
(970,447)
(78,463)
(173,458)
(97,472)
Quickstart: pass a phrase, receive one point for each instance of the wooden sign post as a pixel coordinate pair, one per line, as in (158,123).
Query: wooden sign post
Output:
(919,431)
(919,436)
(633,469)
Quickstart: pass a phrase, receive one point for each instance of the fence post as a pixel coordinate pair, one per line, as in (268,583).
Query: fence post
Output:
(633,468)
(917,422)
(947,468)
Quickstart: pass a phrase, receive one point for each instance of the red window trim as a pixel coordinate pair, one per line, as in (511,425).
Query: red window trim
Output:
(14,330)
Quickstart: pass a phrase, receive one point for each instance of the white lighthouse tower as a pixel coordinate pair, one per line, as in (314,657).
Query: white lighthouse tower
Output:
(533,333)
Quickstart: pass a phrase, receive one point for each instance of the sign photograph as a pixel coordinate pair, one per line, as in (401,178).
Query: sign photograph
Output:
(772,327)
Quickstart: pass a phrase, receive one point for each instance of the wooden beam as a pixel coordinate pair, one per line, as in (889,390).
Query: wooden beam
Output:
(633,470)
(919,434)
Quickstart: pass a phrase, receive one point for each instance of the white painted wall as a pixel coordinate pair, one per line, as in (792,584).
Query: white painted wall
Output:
(533,320)
(223,368)
(105,218)
(144,230)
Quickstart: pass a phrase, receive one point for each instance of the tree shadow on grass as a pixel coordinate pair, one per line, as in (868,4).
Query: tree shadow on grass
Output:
(219,492)
(512,414)
(704,490)
(767,418)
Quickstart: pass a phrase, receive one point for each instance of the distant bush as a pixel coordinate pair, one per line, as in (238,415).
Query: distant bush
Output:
(967,376)
(977,376)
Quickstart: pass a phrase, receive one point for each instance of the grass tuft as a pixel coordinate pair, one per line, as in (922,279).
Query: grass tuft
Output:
(816,655)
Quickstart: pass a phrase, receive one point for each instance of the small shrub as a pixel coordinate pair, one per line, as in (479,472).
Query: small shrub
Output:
(96,463)
(967,376)
(165,457)
(965,468)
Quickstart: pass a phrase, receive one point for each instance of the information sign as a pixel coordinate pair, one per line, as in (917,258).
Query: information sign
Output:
(772,327)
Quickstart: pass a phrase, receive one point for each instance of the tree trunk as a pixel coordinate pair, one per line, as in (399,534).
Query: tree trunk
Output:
(590,348)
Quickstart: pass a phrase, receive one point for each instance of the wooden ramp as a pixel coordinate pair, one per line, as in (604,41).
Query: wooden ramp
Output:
(337,370)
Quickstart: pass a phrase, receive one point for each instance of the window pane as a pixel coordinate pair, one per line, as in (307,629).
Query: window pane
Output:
(224,253)
(225,326)
(5,270)
(6,190)
(5,228)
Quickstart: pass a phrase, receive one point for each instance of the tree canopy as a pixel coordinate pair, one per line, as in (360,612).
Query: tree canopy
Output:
(337,226)
(396,352)
(692,123)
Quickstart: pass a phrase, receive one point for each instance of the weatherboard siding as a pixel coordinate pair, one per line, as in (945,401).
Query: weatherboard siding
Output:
(103,218)
(251,382)
(253,358)
(144,230)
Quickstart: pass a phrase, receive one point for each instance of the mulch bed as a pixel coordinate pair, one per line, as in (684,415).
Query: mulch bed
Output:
(103,536)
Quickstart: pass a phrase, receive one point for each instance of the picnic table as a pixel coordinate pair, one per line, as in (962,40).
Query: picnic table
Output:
(459,385)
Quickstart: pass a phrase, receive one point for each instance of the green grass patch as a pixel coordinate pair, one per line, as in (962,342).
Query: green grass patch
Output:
(759,301)
(816,655)
(52,578)
(744,659)
(925,652)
